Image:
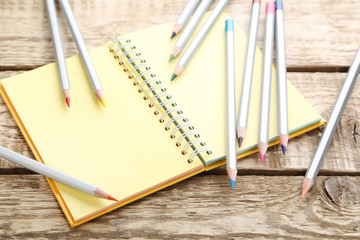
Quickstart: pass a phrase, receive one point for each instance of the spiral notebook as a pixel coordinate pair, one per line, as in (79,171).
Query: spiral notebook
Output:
(153,132)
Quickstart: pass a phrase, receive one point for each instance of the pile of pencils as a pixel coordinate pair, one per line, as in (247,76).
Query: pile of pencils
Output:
(274,10)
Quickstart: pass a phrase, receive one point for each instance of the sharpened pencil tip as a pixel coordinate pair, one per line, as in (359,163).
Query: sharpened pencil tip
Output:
(232,183)
(173,76)
(240,139)
(262,156)
(103,102)
(304,192)
(172,35)
(171,57)
(112,198)
(67,101)
(283,148)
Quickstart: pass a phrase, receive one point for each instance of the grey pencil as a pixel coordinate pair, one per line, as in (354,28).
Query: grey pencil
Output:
(330,129)
(59,53)
(84,54)
(184,60)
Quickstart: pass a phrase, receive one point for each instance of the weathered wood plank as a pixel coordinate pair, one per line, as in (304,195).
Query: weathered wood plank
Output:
(343,155)
(260,207)
(320,35)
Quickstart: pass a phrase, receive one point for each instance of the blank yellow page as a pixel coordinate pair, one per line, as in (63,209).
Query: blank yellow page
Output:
(201,90)
(122,148)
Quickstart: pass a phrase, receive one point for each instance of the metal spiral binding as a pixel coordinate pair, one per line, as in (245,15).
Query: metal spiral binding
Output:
(148,80)
(159,97)
(142,74)
(131,61)
(132,71)
(151,89)
(121,58)
(173,104)
(178,142)
(198,151)
(192,142)
(169,111)
(118,40)
(180,126)
(122,46)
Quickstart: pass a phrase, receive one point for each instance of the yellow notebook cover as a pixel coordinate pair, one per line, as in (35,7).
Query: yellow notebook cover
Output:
(124,148)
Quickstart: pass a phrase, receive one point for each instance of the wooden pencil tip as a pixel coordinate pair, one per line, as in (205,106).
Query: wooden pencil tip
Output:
(172,35)
(67,101)
(171,57)
(112,198)
(304,192)
(103,102)
(173,77)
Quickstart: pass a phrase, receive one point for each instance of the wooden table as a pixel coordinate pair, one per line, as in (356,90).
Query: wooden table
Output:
(321,40)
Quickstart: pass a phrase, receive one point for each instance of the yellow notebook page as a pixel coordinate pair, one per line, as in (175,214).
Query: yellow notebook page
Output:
(122,148)
(201,90)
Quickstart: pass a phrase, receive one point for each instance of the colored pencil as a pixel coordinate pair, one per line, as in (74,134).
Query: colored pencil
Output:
(84,54)
(266,80)
(59,53)
(248,73)
(184,60)
(281,77)
(189,29)
(231,161)
(330,129)
(184,16)
(54,174)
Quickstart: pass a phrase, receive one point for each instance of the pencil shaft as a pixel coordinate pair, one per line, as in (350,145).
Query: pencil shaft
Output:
(281,71)
(184,16)
(59,53)
(248,70)
(47,171)
(80,44)
(230,90)
(190,27)
(266,77)
(202,33)
(334,119)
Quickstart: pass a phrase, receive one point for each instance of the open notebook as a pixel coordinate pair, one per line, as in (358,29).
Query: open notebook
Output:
(124,148)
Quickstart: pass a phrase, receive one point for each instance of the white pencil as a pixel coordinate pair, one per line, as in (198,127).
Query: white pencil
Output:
(281,77)
(54,174)
(84,54)
(184,16)
(189,29)
(330,128)
(59,53)
(231,161)
(248,73)
(205,28)
(266,80)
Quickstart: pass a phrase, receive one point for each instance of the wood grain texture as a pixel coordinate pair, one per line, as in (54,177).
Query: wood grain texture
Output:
(343,156)
(320,35)
(260,207)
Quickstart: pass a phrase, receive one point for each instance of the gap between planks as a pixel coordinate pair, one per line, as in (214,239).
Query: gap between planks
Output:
(301,69)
